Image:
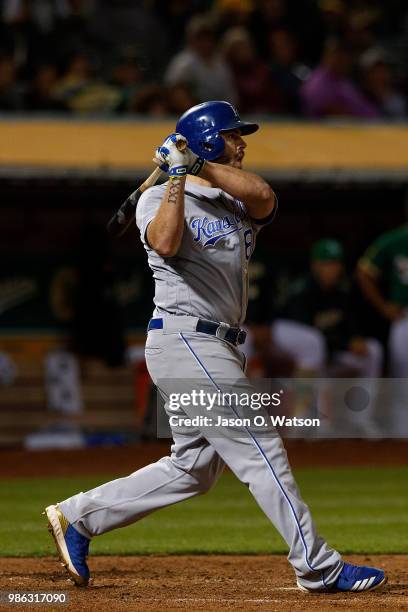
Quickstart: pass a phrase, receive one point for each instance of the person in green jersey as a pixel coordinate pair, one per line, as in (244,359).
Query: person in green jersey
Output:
(382,273)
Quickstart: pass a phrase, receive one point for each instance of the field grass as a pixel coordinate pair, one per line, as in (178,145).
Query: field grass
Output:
(358,510)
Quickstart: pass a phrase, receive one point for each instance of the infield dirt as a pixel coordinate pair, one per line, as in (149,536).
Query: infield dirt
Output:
(198,583)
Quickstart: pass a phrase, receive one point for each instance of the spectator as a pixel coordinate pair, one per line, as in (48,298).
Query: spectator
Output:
(127,77)
(130,22)
(40,96)
(24,38)
(378,85)
(70,9)
(73,20)
(287,36)
(76,75)
(199,66)
(329,91)
(287,72)
(268,15)
(233,13)
(256,91)
(151,100)
(173,17)
(158,101)
(79,92)
(334,17)
(360,34)
(179,99)
(10,94)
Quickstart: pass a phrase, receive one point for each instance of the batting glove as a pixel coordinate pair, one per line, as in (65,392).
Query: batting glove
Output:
(176,159)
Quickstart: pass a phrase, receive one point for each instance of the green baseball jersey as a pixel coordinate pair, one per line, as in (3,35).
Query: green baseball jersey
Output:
(387,259)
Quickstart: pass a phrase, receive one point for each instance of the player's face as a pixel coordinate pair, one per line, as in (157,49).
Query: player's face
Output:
(234,151)
(327,273)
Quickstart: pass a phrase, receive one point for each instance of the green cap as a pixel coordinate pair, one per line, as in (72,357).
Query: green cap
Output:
(327,250)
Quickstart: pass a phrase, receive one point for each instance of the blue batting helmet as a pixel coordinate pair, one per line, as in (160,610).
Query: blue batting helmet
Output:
(202,125)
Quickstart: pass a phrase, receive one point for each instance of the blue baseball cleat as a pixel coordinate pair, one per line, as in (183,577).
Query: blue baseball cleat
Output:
(355,579)
(72,547)
(358,578)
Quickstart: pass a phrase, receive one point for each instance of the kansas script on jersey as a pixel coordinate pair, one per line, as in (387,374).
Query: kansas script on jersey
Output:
(208,277)
(208,230)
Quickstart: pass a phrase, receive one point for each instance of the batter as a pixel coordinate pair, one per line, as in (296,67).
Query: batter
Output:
(199,230)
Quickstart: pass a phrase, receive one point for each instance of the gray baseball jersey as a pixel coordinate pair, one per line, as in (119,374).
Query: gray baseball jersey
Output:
(208,277)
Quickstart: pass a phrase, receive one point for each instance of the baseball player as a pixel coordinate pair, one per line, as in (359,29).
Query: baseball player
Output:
(199,231)
(383,276)
(322,302)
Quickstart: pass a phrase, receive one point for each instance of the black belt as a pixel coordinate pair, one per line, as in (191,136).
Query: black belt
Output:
(235,335)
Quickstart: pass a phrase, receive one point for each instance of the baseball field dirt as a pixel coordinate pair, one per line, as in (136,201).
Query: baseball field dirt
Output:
(198,582)
(124,460)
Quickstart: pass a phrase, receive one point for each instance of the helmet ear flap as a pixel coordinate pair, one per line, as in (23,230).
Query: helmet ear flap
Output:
(207,146)
(212,147)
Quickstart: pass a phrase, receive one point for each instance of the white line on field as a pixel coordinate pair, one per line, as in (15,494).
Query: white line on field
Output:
(317,601)
(285,589)
(216,600)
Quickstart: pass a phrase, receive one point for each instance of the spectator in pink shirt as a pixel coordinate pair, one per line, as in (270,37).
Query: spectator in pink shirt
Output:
(329,91)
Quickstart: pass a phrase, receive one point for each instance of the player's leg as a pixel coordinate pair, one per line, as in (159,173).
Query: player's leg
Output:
(398,351)
(192,469)
(261,463)
(398,348)
(369,368)
(304,343)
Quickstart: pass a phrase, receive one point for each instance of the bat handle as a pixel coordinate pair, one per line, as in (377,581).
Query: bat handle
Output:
(125,215)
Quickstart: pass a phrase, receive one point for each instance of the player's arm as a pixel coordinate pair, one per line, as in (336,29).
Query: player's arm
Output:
(257,195)
(165,231)
(374,264)
(369,286)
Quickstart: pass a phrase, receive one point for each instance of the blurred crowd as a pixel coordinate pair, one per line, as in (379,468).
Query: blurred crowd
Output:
(313,58)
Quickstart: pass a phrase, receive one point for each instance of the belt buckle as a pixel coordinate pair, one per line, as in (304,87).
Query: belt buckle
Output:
(222,330)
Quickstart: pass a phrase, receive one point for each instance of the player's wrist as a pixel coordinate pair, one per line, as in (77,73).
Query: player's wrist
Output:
(178,171)
(175,178)
(204,171)
(197,166)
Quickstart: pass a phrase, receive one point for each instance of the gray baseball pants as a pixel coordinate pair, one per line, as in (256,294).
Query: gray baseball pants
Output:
(198,458)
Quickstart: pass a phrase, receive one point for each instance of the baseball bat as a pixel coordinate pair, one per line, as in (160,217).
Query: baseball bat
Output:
(124,216)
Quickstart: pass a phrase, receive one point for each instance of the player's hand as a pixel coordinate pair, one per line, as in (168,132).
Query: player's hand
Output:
(358,346)
(175,158)
(392,312)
